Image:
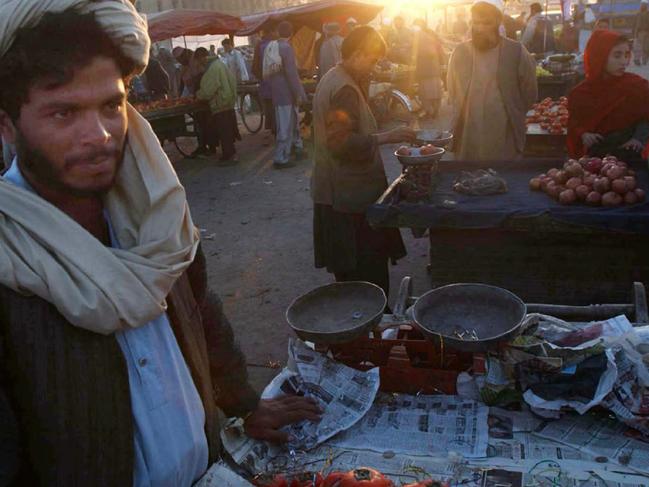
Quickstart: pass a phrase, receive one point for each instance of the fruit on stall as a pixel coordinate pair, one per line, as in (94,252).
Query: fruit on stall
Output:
(150,106)
(552,116)
(591,180)
(359,477)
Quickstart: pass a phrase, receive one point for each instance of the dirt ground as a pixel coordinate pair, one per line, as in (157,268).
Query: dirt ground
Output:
(257,236)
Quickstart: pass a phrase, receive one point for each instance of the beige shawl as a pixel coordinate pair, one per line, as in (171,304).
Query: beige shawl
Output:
(46,253)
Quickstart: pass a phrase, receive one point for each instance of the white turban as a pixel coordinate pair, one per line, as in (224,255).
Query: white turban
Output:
(119,19)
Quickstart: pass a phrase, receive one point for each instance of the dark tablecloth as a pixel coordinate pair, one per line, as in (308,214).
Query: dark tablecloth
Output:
(474,212)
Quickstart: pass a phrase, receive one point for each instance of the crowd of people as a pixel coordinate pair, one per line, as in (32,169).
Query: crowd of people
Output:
(115,358)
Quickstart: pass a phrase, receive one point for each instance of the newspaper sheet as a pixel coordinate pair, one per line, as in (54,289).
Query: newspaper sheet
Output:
(220,475)
(601,437)
(344,394)
(421,425)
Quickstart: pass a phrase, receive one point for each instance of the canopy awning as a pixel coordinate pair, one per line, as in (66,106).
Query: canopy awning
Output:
(311,15)
(183,22)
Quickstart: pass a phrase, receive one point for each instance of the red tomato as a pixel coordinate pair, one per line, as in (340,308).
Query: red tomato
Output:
(359,477)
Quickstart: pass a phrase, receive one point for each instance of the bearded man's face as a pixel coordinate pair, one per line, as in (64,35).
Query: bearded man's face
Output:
(484,30)
(70,137)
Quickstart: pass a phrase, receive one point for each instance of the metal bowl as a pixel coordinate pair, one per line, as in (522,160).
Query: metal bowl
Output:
(469,317)
(337,313)
(416,159)
(439,138)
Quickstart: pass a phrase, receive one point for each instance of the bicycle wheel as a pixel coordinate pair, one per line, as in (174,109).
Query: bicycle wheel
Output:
(398,108)
(251,112)
(188,142)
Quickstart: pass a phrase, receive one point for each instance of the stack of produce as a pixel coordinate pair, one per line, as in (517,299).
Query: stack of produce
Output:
(359,477)
(160,104)
(552,116)
(591,180)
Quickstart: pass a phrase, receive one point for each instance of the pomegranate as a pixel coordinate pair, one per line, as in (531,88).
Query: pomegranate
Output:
(594,198)
(567,197)
(602,185)
(619,186)
(535,184)
(630,183)
(640,193)
(611,199)
(630,198)
(582,192)
(572,183)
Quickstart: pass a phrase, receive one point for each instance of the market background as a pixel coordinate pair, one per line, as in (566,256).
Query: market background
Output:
(257,222)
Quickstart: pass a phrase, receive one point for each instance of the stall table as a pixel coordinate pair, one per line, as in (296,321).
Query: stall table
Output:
(176,124)
(524,241)
(541,143)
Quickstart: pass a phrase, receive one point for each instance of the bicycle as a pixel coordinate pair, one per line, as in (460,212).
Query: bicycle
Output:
(250,107)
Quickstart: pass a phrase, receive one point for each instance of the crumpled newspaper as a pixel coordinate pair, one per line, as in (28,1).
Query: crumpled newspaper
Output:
(480,183)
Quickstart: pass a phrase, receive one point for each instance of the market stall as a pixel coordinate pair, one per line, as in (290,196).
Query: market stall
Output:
(184,22)
(547,124)
(522,239)
(173,121)
(542,396)
(307,20)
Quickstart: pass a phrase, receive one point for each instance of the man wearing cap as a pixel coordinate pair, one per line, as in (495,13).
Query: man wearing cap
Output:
(114,355)
(492,84)
(351,24)
(538,36)
(288,95)
(330,49)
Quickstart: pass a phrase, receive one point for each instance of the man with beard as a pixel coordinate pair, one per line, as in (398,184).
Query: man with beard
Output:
(492,84)
(114,355)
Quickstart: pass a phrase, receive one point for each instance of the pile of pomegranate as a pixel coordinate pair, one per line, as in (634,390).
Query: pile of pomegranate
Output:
(551,115)
(591,180)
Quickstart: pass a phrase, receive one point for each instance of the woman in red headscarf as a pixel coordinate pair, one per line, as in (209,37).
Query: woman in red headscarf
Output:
(609,111)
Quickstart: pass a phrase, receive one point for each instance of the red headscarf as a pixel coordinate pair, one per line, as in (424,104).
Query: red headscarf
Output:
(603,104)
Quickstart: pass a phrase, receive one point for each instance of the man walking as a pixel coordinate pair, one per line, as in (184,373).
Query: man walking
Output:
(234,60)
(114,355)
(492,84)
(219,88)
(280,67)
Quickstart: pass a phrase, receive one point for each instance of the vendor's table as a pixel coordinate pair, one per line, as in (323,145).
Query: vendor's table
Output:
(541,143)
(524,241)
(555,86)
(177,124)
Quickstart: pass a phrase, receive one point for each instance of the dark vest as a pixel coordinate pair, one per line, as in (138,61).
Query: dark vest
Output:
(349,188)
(69,389)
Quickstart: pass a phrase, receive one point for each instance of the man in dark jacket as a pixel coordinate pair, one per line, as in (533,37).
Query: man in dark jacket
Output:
(114,356)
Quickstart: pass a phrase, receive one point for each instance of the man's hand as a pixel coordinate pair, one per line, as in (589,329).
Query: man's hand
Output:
(272,414)
(589,139)
(397,135)
(634,145)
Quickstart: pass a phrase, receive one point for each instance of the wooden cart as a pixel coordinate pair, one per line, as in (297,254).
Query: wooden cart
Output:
(177,124)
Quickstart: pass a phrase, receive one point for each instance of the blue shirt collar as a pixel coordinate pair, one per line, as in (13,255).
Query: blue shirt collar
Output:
(15,176)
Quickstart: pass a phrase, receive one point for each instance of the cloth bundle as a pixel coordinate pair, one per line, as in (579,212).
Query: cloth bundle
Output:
(46,253)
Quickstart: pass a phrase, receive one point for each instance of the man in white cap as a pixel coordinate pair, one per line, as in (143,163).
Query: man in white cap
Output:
(114,355)
(329,54)
(351,24)
(492,84)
